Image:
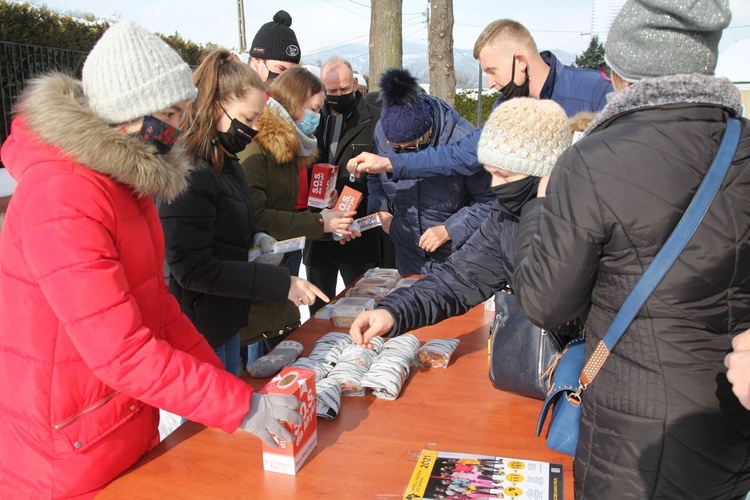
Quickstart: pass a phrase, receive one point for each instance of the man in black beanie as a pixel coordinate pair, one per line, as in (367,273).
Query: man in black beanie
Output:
(274,48)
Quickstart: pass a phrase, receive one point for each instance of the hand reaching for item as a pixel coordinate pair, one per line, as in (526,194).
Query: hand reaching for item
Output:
(303,293)
(434,238)
(738,364)
(368,163)
(267,412)
(370,324)
(337,222)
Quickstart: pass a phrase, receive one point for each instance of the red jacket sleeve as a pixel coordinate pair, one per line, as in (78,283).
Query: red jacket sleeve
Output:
(68,246)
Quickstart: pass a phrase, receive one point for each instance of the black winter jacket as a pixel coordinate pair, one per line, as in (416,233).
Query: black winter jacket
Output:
(660,419)
(208,231)
(471,275)
(356,138)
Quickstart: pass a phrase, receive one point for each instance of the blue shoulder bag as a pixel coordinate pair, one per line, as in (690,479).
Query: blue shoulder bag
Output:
(571,376)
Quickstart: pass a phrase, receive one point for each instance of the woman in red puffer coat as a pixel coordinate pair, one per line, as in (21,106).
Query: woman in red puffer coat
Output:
(91,341)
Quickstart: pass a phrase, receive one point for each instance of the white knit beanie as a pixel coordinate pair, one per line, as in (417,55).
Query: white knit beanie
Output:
(525,136)
(132,73)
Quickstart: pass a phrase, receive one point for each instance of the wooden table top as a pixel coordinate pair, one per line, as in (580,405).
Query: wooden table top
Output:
(370,450)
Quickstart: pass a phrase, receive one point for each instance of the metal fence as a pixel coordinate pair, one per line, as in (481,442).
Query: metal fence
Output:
(21,62)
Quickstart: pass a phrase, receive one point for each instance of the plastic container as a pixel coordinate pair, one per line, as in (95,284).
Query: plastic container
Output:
(376,292)
(376,282)
(383,272)
(348,308)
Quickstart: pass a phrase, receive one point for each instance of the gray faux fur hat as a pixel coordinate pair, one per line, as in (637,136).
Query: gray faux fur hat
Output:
(651,38)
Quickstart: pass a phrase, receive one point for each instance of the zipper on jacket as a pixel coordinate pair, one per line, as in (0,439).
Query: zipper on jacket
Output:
(85,411)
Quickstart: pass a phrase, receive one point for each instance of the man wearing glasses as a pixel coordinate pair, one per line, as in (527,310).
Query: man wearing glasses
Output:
(514,67)
(430,218)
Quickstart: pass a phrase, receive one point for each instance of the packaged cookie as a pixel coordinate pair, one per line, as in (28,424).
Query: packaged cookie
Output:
(338,338)
(377,344)
(328,393)
(349,377)
(436,353)
(321,369)
(406,342)
(388,373)
(358,355)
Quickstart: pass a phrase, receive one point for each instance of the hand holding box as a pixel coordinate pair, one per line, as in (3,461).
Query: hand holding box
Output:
(290,455)
(322,185)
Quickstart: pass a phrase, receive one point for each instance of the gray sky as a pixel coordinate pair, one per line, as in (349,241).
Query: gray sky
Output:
(324,24)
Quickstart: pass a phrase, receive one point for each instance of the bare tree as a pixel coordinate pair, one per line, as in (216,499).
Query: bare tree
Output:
(440,42)
(386,38)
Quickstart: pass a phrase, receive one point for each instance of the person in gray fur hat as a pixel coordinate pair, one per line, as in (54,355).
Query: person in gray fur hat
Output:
(660,419)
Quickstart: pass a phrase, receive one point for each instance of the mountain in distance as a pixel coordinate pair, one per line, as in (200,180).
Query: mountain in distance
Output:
(415,59)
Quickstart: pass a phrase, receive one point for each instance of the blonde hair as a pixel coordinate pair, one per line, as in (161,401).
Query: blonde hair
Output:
(505,34)
(294,87)
(220,78)
(580,121)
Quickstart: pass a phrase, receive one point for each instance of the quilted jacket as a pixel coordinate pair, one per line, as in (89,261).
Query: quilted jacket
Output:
(458,202)
(91,341)
(481,267)
(660,419)
(208,230)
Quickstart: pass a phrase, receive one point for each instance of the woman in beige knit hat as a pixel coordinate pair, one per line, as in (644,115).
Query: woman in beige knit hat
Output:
(519,144)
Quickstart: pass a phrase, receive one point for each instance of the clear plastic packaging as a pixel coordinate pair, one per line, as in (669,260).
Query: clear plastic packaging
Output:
(358,355)
(437,353)
(328,393)
(376,282)
(349,376)
(348,308)
(383,272)
(376,292)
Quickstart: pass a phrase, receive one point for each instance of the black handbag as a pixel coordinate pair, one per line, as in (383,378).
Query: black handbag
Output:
(521,353)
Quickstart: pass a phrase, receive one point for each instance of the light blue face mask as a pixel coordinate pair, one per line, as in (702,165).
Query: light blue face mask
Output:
(309,122)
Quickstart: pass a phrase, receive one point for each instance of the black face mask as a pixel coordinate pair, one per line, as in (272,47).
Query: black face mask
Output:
(514,195)
(237,137)
(341,103)
(272,75)
(512,90)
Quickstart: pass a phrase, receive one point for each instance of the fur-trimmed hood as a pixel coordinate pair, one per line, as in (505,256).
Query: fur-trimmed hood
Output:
(673,89)
(53,109)
(278,137)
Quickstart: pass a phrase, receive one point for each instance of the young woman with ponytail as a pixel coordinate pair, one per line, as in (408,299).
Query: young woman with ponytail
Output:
(210,227)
